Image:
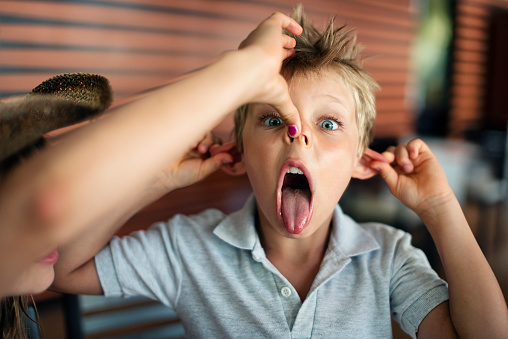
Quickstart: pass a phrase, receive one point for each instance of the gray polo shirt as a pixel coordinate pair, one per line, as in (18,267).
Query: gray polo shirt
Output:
(212,270)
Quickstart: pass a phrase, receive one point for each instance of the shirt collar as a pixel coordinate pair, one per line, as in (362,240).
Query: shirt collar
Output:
(239,228)
(347,238)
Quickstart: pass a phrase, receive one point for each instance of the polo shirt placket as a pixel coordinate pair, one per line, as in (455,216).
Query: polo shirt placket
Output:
(300,316)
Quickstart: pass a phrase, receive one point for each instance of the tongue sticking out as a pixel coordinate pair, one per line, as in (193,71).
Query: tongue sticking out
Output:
(295,203)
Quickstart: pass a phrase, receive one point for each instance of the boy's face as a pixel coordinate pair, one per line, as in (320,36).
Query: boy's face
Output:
(296,205)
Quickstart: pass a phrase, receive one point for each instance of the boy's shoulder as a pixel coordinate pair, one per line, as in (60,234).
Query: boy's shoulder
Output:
(383,232)
(379,235)
(206,219)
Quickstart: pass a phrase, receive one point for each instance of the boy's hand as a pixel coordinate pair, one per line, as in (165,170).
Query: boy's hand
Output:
(270,46)
(194,166)
(414,176)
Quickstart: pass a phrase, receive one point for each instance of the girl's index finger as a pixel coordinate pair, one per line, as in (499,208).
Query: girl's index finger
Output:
(288,23)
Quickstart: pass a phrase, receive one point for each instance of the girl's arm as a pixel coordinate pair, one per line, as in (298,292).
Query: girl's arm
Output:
(477,308)
(107,170)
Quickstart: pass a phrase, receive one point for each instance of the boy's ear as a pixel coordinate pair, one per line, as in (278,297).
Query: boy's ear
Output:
(237,166)
(234,168)
(362,169)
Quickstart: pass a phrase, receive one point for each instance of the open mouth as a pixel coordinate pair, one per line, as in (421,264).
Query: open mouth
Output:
(294,197)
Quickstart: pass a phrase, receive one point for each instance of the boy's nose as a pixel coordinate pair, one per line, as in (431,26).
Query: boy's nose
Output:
(303,138)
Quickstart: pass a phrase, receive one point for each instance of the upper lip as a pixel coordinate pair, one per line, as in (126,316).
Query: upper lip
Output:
(287,164)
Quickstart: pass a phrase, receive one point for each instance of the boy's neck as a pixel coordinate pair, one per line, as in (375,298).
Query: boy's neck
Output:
(298,260)
(308,250)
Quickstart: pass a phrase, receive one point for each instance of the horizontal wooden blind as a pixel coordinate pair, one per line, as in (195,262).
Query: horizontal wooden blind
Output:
(142,44)
(469,69)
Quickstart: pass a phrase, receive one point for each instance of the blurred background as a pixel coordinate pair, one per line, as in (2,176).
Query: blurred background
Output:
(441,65)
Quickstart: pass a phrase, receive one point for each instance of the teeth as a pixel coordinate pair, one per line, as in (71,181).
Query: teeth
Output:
(294,170)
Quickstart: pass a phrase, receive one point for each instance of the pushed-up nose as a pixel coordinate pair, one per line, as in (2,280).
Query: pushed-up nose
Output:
(304,137)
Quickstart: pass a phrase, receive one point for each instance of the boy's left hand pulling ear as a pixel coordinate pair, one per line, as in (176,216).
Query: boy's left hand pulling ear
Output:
(414,176)
(194,166)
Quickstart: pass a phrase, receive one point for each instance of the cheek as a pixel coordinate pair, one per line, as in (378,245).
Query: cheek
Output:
(337,153)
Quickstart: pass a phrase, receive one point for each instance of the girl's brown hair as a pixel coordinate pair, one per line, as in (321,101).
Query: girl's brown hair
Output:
(14,318)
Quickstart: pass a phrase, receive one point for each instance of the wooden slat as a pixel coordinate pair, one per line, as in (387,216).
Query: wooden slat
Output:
(23,83)
(381,63)
(468,67)
(471,33)
(105,16)
(390,77)
(470,45)
(469,79)
(469,56)
(470,63)
(467,8)
(250,11)
(472,22)
(391,104)
(390,91)
(113,39)
(467,90)
(102,61)
(466,113)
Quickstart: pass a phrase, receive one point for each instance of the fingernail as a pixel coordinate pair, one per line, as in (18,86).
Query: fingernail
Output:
(292,130)
(227,161)
(407,168)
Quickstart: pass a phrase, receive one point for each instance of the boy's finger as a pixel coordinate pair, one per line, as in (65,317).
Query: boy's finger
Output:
(212,164)
(390,156)
(205,143)
(415,147)
(208,141)
(226,148)
(386,172)
(402,158)
(391,149)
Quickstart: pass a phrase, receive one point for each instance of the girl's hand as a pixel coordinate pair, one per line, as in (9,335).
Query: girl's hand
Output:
(270,46)
(414,176)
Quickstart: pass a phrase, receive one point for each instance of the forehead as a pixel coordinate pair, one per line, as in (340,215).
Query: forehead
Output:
(323,89)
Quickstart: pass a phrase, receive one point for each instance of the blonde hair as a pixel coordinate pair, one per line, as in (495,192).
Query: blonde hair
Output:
(334,49)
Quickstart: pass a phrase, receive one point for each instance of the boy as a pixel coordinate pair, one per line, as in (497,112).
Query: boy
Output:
(290,264)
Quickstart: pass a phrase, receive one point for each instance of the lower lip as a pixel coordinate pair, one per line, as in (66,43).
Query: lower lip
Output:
(50,259)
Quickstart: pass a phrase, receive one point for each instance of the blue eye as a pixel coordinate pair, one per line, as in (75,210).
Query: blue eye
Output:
(329,125)
(273,121)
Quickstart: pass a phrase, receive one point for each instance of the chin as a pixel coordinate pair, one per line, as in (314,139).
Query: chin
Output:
(42,281)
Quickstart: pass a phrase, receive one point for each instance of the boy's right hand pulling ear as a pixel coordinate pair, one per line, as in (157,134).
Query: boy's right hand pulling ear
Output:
(269,46)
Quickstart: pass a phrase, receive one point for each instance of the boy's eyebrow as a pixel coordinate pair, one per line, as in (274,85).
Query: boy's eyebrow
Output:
(334,98)
(339,100)
(263,106)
